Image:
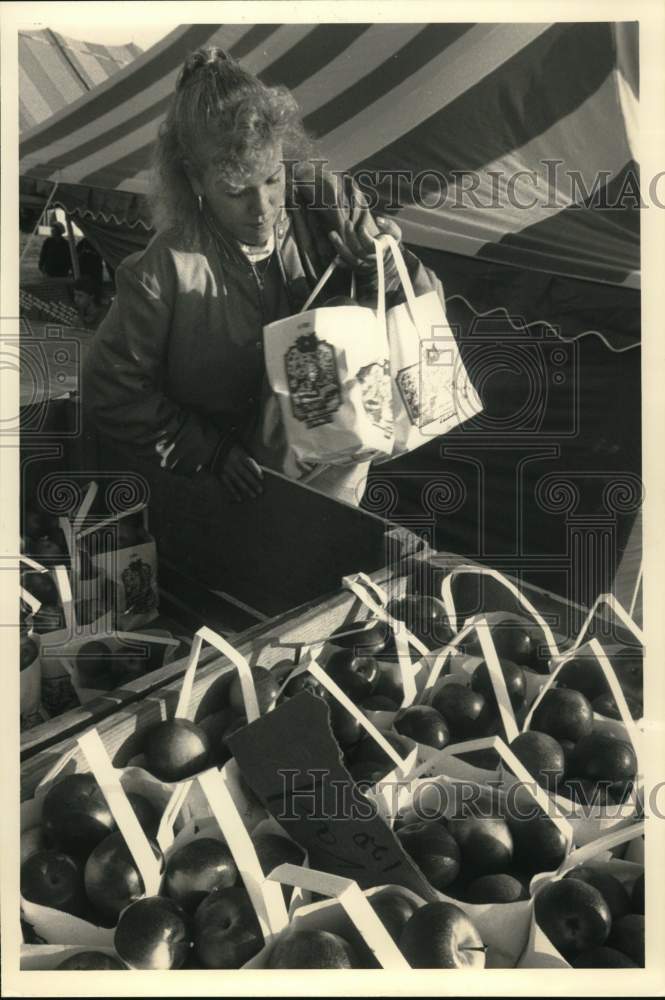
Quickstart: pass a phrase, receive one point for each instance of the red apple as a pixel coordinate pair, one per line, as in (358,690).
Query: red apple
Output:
(94,665)
(364,638)
(541,755)
(564,714)
(574,916)
(515,680)
(467,712)
(539,845)
(610,888)
(378,703)
(425,617)
(312,949)
(176,749)
(606,705)
(602,958)
(441,936)
(499,888)
(146,813)
(355,675)
(112,880)
(434,850)
(369,750)
(393,909)
(583,673)
(267,688)
(75,814)
(423,724)
(53,879)
(303,682)
(196,869)
(600,757)
(226,931)
(485,842)
(153,933)
(627,936)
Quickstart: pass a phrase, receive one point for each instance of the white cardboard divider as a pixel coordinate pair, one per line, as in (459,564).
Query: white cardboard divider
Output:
(404,765)
(31,601)
(266,896)
(244,672)
(362,586)
(508,758)
(497,679)
(108,780)
(591,850)
(447,598)
(619,611)
(355,904)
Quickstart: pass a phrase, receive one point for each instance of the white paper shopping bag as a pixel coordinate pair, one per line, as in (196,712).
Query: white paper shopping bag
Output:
(329,369)
(431,389)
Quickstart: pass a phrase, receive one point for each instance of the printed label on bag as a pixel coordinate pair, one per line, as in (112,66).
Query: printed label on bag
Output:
(425,387)
(376,391)
(139,586)
(311,372)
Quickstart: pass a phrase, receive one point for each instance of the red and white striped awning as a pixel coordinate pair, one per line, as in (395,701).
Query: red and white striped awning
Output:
(472,109)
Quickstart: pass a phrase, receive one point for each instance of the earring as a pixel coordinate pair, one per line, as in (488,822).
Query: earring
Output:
(199,199)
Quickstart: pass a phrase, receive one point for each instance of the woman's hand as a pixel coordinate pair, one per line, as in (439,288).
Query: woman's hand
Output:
(241,475)
(356,246)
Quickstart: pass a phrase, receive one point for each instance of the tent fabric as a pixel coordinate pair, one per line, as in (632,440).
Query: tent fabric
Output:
(55,70)
(473,111)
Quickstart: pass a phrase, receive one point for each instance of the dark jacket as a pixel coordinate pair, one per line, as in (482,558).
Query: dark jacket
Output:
(176,372)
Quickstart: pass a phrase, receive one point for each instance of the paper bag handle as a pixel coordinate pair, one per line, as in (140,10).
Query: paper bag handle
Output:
(109,782)
(619,611)
(355,904)
(619,835)
(244,672)
(381,284)
(267,898)
(447,598)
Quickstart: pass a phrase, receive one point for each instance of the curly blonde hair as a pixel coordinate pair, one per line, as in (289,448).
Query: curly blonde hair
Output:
(217,106)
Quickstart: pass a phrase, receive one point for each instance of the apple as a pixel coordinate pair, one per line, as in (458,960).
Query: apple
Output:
(303,682)
(51,878)
(355,675)
(574,916)
(389,685)
(75,814)
(153,933)
(627,936)
(539,845)
(266,686)
(272,850)
(226,931)
(564,714)
(637,895)
(434,850)
(602,958)
(345,727)
(567,746)
(467,712)
(312,949)
(112,880)
(630,673)
(514,642)
(584,674)
(585,792)
(606,705)
(379,703)
(423,724)
(176,749)
(425,617)
(196,869)
(515,683)
(441,936)
(498,888)
(610,888)
(362,637)
(87,961)
(485,842)
(32,840)
(600,757)
(222,752)
(541,755)
(393,909)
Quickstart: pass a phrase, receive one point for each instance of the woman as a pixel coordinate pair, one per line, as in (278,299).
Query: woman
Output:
(176,374)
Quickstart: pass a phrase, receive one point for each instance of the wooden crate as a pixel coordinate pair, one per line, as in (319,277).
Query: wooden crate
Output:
(263,645)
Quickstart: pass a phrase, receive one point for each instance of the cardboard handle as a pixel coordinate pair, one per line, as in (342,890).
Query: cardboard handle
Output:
(618,836)
(165,836)
(328,683)
(109,782)
(240,663)
(32,564)
(447,598)
(355,904)
(86,504)
(360,585)
(618,610)
(266,897)
(509,759)
(445,653)
(497,679)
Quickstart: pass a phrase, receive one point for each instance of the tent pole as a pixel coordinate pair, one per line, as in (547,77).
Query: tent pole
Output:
(72,248)
(37,224)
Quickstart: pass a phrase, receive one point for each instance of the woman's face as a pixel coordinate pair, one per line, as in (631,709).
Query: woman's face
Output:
(246,209)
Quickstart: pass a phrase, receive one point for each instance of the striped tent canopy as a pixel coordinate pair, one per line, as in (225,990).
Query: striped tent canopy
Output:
(54,71)
(520,137)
